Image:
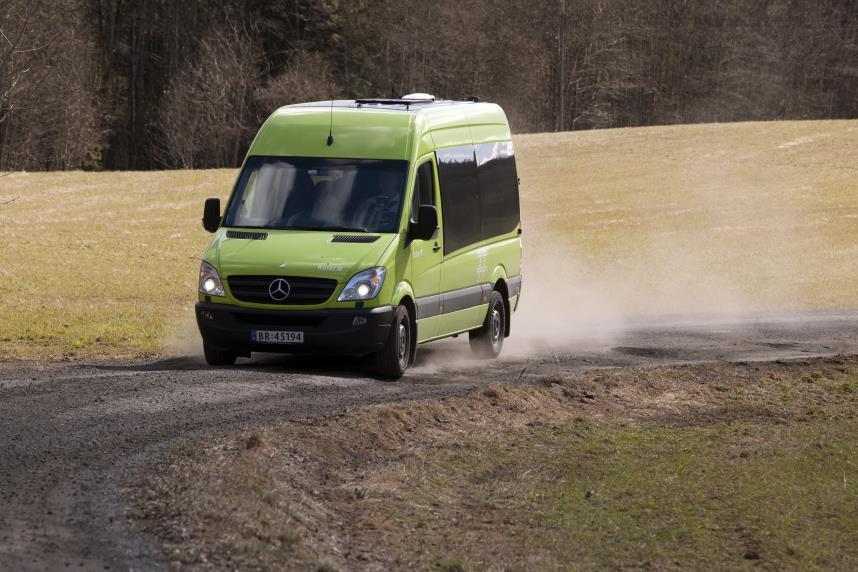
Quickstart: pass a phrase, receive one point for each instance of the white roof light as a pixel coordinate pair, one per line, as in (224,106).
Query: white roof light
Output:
(419,96)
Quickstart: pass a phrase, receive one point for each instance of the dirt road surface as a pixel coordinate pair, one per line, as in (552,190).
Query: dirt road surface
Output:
(72,434)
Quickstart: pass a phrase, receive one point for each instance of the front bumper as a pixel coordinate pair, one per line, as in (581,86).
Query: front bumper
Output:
(227,327)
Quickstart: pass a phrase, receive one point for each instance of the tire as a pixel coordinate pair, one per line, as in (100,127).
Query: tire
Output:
(487,342)
(393,359)
(218,357)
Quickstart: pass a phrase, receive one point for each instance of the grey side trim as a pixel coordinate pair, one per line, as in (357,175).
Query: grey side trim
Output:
(453,301)
(514,285)
(461,299)
(428,306)
(487,292)
(456,300)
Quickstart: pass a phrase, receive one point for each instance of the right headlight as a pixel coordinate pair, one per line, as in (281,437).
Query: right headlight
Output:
(210,283)
(364,285)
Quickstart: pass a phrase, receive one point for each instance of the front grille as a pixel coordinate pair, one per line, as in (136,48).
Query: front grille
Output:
(355,238)
(246,235)
(283,318)
(302,290)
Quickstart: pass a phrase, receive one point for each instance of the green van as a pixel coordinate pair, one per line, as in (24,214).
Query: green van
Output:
(364,227)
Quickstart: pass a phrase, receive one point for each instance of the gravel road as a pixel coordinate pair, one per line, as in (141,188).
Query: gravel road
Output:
(72,434)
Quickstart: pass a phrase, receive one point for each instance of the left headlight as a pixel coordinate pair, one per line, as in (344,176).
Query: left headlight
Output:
(364,285)
(209,280)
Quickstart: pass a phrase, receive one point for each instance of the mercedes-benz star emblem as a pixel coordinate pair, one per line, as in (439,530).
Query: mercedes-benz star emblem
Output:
(279,289)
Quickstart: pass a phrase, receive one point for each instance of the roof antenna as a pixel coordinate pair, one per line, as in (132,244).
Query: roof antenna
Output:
(331,126)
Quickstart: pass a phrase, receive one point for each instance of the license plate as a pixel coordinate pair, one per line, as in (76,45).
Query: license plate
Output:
(276,337)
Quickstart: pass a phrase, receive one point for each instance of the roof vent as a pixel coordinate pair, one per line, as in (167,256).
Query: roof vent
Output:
(419,97)
(406,101)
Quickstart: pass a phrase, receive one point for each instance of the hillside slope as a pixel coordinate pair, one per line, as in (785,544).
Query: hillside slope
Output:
(727,217)
(698,218)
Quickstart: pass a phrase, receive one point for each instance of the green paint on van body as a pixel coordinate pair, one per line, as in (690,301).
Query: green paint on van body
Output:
(419,273)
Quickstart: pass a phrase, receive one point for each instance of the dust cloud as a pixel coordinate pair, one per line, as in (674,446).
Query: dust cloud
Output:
(573,300)
(667,225)
(184,338)
(572,306)
(561,306)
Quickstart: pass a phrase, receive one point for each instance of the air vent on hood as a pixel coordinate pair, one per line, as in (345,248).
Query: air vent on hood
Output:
(355,238)
(246,235)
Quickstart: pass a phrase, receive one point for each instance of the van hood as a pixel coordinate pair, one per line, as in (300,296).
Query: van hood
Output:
(298,253)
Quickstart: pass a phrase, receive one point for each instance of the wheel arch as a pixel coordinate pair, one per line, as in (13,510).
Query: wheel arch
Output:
(403,290)
(501,286)
(404,296)
(411,306)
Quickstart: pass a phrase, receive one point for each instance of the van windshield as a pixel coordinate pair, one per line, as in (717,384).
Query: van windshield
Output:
(311,193)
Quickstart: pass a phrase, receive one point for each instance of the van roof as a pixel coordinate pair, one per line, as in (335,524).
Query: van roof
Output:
(388,104)
(378,128)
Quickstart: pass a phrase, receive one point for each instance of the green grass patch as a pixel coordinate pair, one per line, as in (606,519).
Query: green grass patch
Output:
(765,474)
(721,496)
(699,496)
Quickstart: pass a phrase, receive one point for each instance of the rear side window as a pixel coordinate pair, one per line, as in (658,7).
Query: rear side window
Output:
(460,196)
(479,192)
(498,188)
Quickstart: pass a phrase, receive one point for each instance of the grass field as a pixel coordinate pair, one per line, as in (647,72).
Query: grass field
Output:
(101,264)
(669,219)
(700,218)
(715,467)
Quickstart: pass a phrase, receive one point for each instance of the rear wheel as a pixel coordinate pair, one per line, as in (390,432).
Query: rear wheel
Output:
(487,341)
(393,359)
(218,357)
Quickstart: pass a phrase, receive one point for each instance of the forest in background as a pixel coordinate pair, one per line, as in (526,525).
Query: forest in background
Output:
(145,84)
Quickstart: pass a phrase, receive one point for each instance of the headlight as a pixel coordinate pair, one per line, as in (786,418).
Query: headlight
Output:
(364,285)
(209,280)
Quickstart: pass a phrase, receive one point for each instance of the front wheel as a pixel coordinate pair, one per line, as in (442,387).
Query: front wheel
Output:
(392,360)
(218,357)
(487,341)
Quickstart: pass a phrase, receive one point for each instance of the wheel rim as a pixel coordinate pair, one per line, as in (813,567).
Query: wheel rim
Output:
(496,327)
(402,344)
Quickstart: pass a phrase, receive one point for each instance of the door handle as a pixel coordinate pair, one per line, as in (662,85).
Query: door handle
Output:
(436,248)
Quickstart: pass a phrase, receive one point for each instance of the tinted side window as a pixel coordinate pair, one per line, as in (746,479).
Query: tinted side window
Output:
(460,196)
(498,188)
(424,189)
(415,200)
(426,183)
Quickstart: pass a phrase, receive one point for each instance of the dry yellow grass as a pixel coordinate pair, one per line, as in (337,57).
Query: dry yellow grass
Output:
(704,217)
(99,264)
(744,216)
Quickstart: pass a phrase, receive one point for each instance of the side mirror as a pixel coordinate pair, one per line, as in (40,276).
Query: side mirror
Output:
(426,225)
(211,215)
